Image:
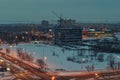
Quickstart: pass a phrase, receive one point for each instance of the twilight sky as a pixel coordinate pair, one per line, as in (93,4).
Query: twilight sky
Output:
(81,10)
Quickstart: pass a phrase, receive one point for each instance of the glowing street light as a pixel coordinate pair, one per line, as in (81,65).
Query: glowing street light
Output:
(52,78)
(96,75)
(8,69)
(118,56)
(50,30)
(45,58)
(1,60)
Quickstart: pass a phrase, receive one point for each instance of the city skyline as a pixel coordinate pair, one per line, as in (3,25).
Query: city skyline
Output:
(81,10)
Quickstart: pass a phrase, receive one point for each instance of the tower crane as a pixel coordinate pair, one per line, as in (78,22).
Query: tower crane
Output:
(60,17)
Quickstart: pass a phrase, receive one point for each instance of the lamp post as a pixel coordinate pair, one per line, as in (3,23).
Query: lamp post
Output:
(44,60)
(44,64)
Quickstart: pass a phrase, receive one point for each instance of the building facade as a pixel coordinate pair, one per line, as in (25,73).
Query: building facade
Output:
(45,23)
(67,35)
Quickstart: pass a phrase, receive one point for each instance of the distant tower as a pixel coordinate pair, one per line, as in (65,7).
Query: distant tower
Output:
(45,23)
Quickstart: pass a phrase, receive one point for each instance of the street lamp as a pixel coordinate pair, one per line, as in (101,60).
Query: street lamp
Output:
(1,60)
(52,78)
(96,75)
(82,61)
(44,59)
(8,69)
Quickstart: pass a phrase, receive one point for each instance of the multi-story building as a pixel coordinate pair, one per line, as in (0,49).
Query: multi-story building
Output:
(67,35)
(68,22)
(45,23)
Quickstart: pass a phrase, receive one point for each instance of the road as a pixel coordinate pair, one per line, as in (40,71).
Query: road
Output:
(97,75)
(17,72)
(25,66)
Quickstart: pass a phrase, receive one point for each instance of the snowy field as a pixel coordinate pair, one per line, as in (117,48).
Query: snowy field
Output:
(56,57)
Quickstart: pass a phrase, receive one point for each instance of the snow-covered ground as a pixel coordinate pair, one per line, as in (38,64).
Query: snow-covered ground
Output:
(59,60)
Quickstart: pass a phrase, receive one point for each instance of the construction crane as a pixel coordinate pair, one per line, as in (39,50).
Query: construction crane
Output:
(60,17)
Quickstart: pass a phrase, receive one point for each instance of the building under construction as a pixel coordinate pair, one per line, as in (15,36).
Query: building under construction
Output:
(67,35)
